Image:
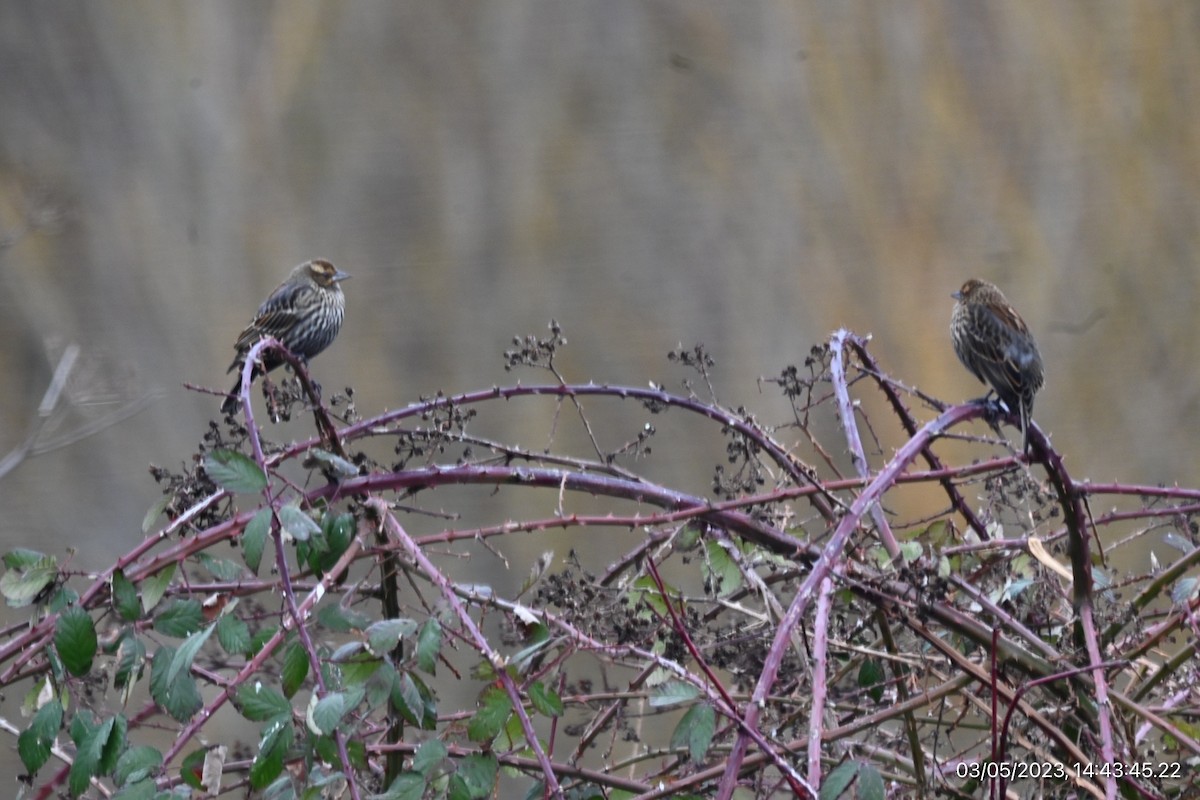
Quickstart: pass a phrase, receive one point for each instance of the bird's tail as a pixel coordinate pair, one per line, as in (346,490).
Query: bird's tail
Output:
(1026,417)
(233,403)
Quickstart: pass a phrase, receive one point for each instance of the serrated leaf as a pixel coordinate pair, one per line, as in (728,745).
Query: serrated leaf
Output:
(34,743)
(154,512)
(871,677)
(28,575)
(145,789)
(89,737)
(870,784)
(327,749)
(414,701)
(512,737)
(339,531)
(341,620)
(283,788)
(524,659)
(327,713)
(384,635)
(234,472)
(179,698)
(688,538)
(838,780)
(723,568)
(131,656)
(259,703)
(254,538)
(137,763)
(262,636)
(234,635)
(695,731)
(221,568)
(75,640)
(180,618)
(155,586)
(268,763)
(377,680)
(297,524)
(478,774)
(22,558)
(38,695)
(494,708)
(186,653)
(645,590)
(672,693)
(351,652)
(125,597)
(295,668)
(911,551)
(431,753)
(545,700)
(407,786)
(429,645)
(61,599)
(939,534)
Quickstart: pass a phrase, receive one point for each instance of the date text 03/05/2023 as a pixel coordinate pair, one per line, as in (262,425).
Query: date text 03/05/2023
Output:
(1021,770)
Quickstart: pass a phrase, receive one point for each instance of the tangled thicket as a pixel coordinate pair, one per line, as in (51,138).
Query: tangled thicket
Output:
(789,632)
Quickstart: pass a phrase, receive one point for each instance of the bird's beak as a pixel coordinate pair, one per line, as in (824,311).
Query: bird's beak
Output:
(340,276)
(956,295)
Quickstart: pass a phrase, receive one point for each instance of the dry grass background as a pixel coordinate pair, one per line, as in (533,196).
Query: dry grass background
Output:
(748,175)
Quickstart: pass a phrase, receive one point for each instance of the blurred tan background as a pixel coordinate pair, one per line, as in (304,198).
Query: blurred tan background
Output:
(746,175)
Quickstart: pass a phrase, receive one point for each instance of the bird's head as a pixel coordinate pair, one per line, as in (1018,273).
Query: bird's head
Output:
(323,272)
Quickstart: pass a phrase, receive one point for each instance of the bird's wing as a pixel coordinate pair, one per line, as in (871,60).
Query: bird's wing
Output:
(1006,356)
(276,316)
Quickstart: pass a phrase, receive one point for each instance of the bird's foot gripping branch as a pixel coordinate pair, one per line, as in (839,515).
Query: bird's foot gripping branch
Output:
(867,593)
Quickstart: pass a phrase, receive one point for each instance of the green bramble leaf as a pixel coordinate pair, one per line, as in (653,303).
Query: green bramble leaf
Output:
(272,748)
(259,703)
(429,645)
(494,708)
(125,597)
(297,524)
(234,472)
(695,731)
(34,743)
(672,693)
(295,668)
(75,640)
(254,538)
(28,575)
(545,700)
(180,698)
(155,586)
(180,618)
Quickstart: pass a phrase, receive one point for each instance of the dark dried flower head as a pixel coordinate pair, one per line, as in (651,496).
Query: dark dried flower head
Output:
(994,343)
(304,313)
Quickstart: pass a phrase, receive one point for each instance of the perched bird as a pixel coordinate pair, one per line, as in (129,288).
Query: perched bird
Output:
(304,313)
(993,342)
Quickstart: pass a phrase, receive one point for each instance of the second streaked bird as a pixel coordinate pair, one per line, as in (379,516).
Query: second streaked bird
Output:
(993,342)
(304,313)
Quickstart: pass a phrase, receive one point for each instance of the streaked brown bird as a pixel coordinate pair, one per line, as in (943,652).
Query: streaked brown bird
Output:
(995,344)
(304,313)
